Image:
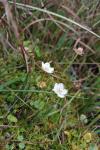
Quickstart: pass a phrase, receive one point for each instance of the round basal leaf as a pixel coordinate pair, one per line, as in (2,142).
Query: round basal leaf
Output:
(93,147)
(20,138)
(12,118)
(38,104)
(87,137)
(21,145)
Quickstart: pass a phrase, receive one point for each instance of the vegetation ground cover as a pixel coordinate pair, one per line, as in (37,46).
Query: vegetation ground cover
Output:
(65,34)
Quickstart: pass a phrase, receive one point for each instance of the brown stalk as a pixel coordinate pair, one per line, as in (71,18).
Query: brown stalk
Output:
(13,24)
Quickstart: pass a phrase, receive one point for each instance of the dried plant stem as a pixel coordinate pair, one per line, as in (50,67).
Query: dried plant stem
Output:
(13,25)
(56,15)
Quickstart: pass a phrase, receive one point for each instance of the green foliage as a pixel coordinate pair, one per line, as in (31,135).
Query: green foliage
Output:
(38,104)
(21,145)
(20,138)
(11,118)
(93,147)
(32,116)
(37,51)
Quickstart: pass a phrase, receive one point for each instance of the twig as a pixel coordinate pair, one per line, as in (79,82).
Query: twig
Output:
(12,23)
(56,15)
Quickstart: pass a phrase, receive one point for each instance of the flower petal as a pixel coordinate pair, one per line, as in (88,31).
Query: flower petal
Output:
(65,91)
(61,85)
(61,95)
(60,90)
(47,68)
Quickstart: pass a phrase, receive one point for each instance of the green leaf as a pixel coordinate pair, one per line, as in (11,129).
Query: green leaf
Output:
(21,145)
(27,43)
(20,138)
(37,51)
(9,147)
(12,118)
(38,104)
(61,41)
(93,147)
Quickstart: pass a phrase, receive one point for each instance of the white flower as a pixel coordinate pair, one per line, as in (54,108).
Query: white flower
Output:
(47,68)
(79,51)
(83,119)
(60,90)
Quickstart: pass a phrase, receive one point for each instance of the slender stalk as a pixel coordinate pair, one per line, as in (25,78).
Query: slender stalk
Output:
(56,15)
